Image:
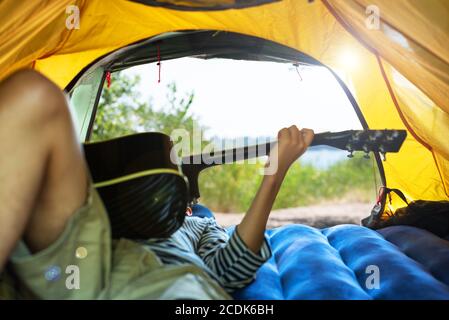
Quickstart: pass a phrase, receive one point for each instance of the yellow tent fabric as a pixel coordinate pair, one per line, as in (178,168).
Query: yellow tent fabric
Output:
(401,81)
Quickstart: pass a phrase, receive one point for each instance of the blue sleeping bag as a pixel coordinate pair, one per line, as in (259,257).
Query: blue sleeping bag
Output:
(340,263)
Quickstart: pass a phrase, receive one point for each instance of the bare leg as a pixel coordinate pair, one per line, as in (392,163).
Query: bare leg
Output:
(43,176)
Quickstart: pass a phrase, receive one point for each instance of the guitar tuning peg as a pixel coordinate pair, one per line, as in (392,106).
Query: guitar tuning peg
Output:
(351,154)
(366,156)
(392,135)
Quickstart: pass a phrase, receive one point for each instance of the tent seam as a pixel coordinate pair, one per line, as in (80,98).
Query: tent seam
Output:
(404,120)
(396,104)
(65,38)
(348,27)
(441,176)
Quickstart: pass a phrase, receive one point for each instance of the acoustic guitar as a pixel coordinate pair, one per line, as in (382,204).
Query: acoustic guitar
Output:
(146,194)
(382,141)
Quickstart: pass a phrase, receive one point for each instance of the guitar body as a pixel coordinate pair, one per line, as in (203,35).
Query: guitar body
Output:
(144,193)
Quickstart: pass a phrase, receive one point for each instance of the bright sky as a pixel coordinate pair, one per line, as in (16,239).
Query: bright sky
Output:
(245,98)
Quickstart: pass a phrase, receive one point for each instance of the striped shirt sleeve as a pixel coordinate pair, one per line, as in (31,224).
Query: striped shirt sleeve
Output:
(234,264)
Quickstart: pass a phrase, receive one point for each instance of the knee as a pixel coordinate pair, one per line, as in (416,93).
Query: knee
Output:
(33,95)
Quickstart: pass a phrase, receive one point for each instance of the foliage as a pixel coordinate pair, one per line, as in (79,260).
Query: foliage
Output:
(230,187)
(121,112)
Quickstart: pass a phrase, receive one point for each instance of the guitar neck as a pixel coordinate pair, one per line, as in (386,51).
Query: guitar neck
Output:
(382,141)
(232,155)
(193,165)
(205,160)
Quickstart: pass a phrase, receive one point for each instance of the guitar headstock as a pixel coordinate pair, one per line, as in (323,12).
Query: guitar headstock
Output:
(382,141)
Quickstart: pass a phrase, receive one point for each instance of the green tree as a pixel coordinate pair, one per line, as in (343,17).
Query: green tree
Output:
(121,112)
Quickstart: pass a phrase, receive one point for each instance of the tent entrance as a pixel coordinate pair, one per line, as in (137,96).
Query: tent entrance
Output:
(202,44)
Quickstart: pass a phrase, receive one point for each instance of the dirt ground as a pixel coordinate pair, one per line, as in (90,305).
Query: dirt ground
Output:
(319,216)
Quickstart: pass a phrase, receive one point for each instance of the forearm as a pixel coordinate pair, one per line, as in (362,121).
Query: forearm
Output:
(253,225)
(291,144)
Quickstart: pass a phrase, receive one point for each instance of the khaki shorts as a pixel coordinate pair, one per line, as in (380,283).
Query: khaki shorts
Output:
(84,263)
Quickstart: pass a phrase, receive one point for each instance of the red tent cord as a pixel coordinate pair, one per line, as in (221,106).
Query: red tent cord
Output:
(159,63)
(297,71)
(108,78)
